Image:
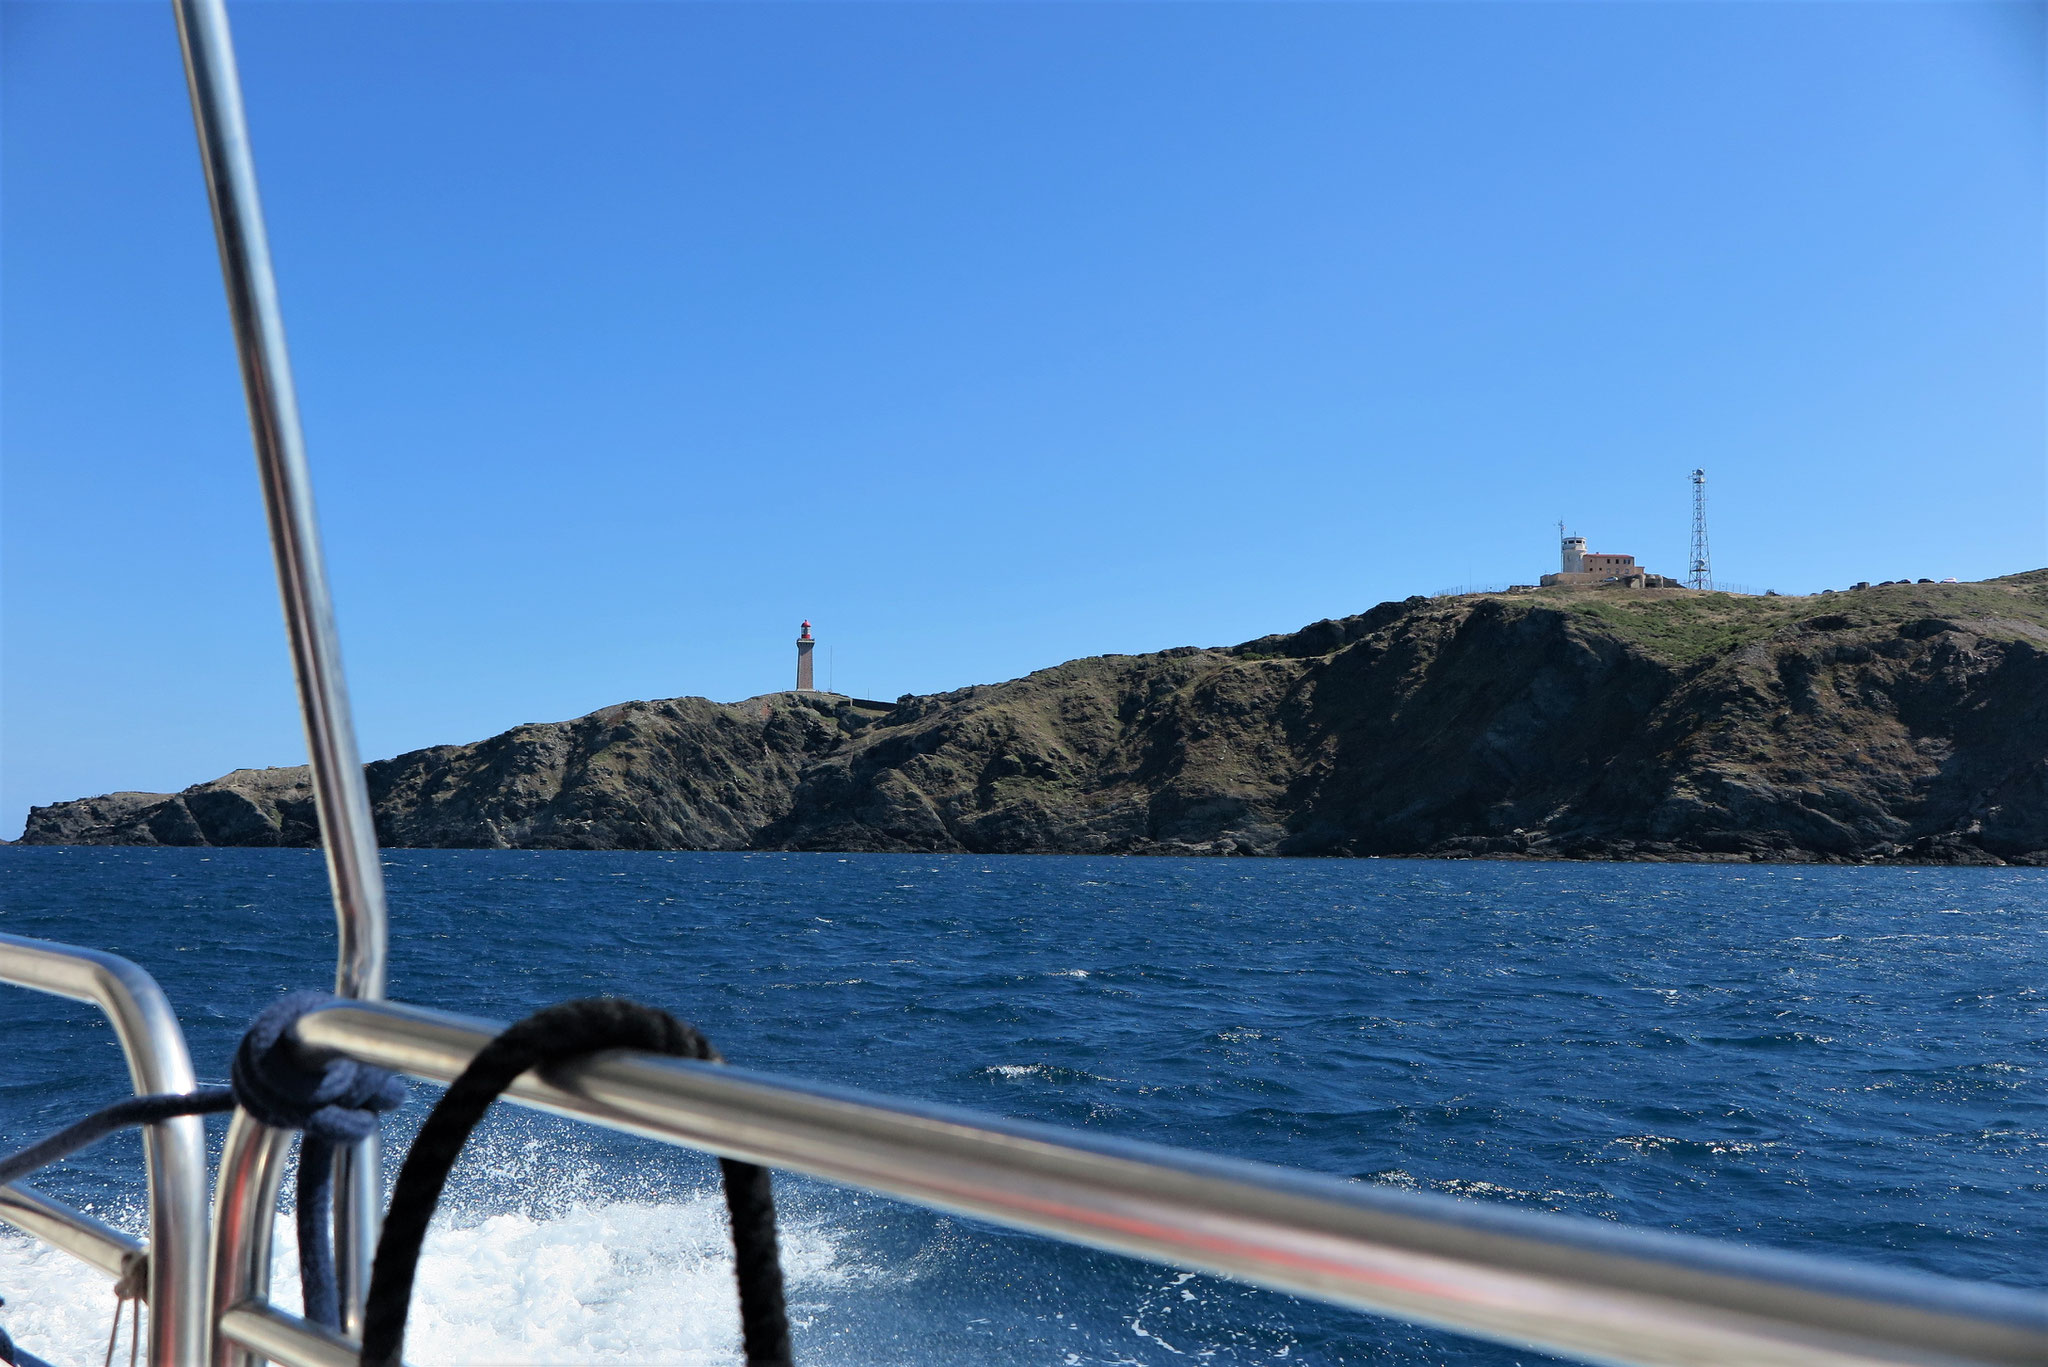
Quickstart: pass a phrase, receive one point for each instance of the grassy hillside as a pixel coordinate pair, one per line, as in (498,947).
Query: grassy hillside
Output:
(1680,626)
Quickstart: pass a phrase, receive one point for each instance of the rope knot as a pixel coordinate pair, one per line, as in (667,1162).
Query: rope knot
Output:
(133,1283)
(336,1099)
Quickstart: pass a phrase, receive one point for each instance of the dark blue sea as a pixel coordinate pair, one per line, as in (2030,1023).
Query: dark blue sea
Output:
(1842,1060)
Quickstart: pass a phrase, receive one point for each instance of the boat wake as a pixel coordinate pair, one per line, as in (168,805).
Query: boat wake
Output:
(611,1282)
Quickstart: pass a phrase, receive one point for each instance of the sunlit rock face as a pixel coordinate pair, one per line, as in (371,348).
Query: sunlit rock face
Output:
(1902,723)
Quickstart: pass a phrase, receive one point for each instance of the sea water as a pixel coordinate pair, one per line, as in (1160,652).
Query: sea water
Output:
(1841,1060)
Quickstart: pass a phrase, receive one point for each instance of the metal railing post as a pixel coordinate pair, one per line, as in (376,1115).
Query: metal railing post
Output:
(244,1218)
(248,1329)
(179,1328)
(347,830)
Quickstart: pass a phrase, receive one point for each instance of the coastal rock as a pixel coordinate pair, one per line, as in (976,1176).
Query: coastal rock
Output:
(1905,723)
(677,774)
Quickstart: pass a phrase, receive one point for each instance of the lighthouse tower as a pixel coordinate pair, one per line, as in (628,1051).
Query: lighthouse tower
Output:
(804,645)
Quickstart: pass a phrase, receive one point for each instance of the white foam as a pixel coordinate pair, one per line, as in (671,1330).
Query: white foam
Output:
(600,1282)
(57,1307)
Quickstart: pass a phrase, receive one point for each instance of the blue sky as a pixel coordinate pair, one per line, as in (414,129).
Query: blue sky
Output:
(983,335)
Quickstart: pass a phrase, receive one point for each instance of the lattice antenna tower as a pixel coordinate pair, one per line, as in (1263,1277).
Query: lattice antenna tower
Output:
(1700,572)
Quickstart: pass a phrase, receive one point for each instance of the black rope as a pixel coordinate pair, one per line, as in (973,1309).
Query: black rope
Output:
(553,1036)
(333,1101)
(136,1110)
(80,1134)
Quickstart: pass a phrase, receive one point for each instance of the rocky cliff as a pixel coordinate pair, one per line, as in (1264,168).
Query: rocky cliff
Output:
(1903,722)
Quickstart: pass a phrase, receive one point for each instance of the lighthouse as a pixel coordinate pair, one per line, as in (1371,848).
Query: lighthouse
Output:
(804,645)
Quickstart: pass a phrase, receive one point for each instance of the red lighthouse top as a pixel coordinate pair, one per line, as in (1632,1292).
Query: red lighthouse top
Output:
(806,632)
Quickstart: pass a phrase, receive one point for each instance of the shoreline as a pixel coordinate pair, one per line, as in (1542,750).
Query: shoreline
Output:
(1775,859)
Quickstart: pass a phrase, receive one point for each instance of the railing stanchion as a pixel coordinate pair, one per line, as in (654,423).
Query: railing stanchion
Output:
(347,831)
(244,1219)
(179,1328)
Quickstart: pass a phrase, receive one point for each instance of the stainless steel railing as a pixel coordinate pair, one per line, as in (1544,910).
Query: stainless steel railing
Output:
(82,1236)
(184,1263)
(247,1328)
(1583,1288)
(1574,1286)
(347,831)
(244,1212)
(175,1149)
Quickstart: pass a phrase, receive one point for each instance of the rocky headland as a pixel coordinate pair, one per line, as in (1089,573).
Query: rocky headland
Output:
(1900,723)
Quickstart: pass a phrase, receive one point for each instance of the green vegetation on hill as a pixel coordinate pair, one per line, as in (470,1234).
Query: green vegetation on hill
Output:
(1681,626)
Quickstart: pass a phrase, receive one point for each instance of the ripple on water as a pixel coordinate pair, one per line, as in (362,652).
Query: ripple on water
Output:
(1843,1060)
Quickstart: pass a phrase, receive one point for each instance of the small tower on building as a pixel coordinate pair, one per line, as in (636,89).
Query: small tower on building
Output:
(1572,551)
(804,646)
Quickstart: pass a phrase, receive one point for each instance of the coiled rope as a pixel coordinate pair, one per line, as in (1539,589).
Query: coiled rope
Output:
(553,1036)
(331,1101)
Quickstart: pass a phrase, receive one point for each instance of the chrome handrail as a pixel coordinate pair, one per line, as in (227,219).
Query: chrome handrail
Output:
(85,1238)
(1558,1283)
(175,1149)
(271,1334)
(347,831)
(244,1216)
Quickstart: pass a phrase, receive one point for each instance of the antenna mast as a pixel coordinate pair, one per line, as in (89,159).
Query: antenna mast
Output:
(1700,574)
